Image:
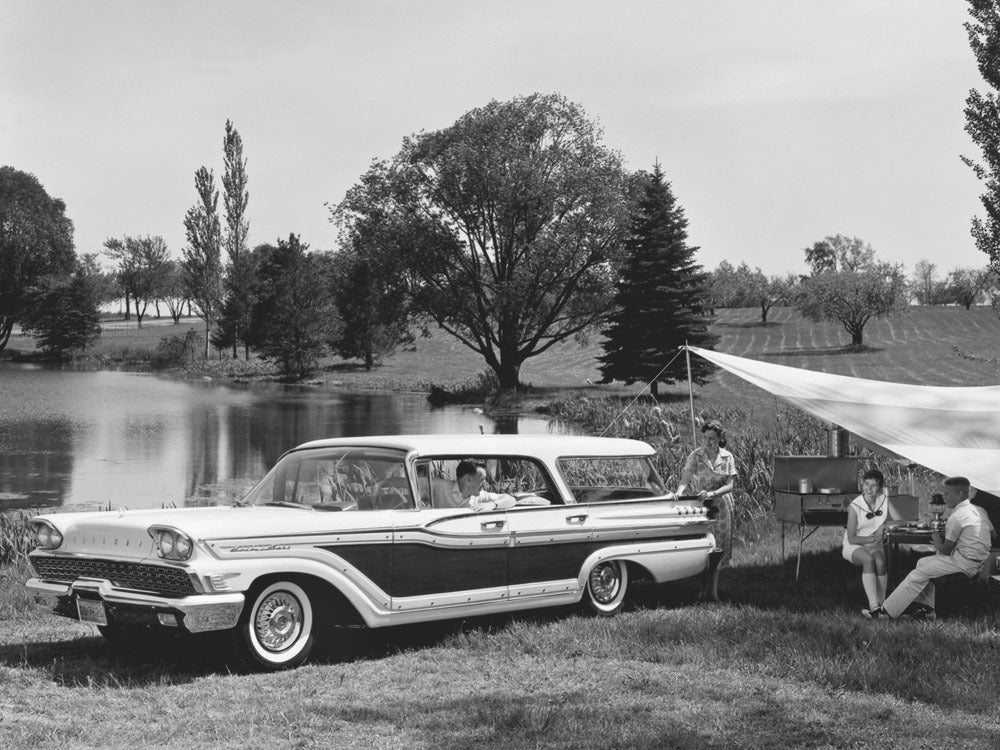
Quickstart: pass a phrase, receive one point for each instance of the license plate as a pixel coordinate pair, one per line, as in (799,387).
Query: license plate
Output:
(91,610)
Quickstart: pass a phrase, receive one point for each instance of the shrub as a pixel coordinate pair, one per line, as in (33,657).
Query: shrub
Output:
(176,351)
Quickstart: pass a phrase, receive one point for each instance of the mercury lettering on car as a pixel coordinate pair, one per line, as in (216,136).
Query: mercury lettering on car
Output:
(259,547)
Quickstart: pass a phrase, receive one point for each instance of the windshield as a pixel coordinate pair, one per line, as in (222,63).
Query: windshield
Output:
(593,479)
(344,478)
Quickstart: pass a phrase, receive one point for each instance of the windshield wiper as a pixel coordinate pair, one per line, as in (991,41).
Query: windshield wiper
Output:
(287,504)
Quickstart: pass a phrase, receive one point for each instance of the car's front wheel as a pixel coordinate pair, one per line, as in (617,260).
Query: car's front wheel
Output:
(276,628)
(607,584)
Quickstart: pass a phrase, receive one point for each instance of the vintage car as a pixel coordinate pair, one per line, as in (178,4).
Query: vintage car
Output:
(373,532)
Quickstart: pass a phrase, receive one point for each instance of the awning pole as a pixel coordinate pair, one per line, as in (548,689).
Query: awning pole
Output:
(694,430)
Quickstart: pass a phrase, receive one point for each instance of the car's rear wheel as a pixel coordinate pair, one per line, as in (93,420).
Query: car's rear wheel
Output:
(607,585)
(275,630)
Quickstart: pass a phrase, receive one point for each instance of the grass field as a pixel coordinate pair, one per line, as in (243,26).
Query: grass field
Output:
(917,347)
(781,663)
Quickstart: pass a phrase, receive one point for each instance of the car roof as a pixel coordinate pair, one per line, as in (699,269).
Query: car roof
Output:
(543,446)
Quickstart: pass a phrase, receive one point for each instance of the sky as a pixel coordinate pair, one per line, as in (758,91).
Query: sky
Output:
(777,122)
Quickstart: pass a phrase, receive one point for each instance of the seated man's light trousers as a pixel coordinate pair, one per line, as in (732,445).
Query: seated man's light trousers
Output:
(918,586)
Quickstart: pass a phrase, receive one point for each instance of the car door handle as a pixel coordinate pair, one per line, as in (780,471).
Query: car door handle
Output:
(491,525)
(576,519)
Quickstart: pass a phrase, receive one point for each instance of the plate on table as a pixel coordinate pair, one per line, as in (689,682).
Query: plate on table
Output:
(829,490)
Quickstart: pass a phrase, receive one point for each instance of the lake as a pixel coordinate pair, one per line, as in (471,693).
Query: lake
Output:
(90,439)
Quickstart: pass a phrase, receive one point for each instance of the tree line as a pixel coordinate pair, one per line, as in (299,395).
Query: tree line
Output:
(848,284)
(514,229)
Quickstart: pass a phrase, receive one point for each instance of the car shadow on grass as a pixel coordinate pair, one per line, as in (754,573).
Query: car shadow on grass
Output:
(826,582)
(88,661)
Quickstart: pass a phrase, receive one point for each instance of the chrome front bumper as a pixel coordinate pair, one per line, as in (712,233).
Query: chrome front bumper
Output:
(197,614)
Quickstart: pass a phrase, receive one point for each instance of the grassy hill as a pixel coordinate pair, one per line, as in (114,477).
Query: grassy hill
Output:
(916,347)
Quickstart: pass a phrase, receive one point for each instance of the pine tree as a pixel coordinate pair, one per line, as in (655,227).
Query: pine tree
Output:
(659,300)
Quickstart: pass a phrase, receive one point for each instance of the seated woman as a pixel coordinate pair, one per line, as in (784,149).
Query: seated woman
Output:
(865,533)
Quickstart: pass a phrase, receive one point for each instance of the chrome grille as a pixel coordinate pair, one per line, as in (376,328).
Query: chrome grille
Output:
(140,576)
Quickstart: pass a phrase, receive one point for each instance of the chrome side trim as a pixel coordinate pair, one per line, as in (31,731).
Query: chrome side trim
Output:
(448,599)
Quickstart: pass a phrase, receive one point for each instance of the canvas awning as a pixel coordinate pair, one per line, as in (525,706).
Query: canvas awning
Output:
(952,430)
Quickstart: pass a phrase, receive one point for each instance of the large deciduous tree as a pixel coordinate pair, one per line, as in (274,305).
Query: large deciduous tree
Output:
(510,220)
(234,319)
(659,303)
(853,297)
(202,261)
(982,123)
(36,240)
(294,318)
(141,266)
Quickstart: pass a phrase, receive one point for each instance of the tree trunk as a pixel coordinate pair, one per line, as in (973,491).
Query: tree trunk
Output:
(208,330)
(856,336)
(509,374)
(654,388)
(6,326)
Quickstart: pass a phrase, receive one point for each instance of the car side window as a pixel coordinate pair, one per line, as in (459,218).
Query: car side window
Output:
(338,480)
(594,479)
(519,476)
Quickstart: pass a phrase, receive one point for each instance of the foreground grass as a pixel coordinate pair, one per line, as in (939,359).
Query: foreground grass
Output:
(780,663)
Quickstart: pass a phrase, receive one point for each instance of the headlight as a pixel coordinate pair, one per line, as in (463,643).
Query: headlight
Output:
(46,536)
(171,543)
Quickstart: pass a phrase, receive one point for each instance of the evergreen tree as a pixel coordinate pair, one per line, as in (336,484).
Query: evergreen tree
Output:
(294,317)
(659,303)
(65,316)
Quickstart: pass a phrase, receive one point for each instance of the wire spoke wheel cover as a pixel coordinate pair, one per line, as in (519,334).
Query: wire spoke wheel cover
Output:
(277,630)
(278,621)
(607,584)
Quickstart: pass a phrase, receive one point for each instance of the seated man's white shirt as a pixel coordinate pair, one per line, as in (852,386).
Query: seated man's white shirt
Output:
(490,501)
(970,532)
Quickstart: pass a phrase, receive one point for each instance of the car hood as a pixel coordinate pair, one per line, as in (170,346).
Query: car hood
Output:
(125,533)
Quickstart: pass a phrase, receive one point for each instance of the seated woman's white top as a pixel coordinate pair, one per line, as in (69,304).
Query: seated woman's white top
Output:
(867,526)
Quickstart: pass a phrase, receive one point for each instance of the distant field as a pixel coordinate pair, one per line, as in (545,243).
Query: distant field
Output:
(916,347)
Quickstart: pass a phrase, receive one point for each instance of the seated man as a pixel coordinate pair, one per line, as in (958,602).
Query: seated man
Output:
(962,548)
(990,504)
(469,478)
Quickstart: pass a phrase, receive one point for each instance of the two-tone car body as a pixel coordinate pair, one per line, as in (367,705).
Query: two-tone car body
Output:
(374,532)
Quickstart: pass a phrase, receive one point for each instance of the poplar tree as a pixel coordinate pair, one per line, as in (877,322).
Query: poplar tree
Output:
(202,262)
(234,322)
(659,302)
(982,123)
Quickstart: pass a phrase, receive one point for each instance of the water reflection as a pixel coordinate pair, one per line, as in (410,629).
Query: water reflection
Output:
(100,439)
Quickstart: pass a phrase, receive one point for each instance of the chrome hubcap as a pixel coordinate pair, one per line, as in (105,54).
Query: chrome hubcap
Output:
(604,582)
(278,621)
